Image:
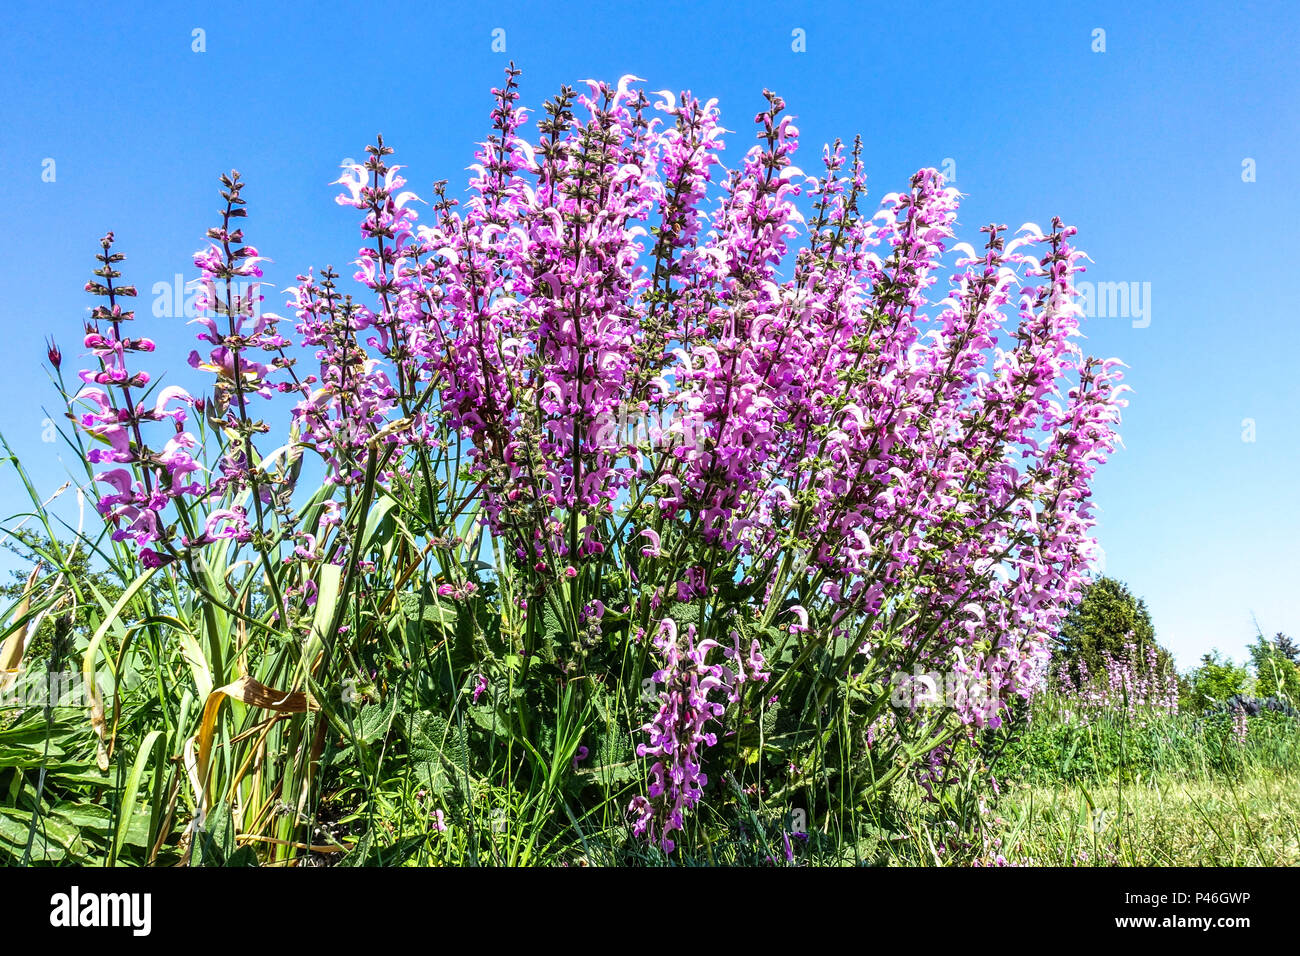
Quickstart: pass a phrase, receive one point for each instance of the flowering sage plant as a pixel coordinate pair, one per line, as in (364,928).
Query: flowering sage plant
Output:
(631,477)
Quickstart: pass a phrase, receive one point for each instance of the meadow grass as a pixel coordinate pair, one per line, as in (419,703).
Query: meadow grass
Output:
(1249,821)
(1150,788)
(1114,790)
(1111,788)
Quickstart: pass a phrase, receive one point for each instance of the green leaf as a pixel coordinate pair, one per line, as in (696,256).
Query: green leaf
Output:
(126,809)
(438,752)
(214,842)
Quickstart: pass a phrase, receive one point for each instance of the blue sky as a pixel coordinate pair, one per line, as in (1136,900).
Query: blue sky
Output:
(1141,146)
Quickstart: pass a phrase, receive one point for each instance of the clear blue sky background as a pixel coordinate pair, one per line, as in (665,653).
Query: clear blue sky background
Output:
(1140,146)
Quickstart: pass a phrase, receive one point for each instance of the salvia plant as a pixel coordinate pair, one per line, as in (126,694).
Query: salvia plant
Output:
(1132,682)
(605,499)
(1124,725)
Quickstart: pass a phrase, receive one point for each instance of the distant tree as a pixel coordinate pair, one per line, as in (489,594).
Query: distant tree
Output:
(1214,681)
(31,548)
(1108,618)
(1276,673)
(1287,647)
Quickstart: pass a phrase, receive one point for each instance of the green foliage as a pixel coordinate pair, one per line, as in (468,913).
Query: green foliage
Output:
(1287,647)
(1114,746)
(1213,682)
(1276,671)
(83,565)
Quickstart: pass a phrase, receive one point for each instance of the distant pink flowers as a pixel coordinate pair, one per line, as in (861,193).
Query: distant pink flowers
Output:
(1132,683)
